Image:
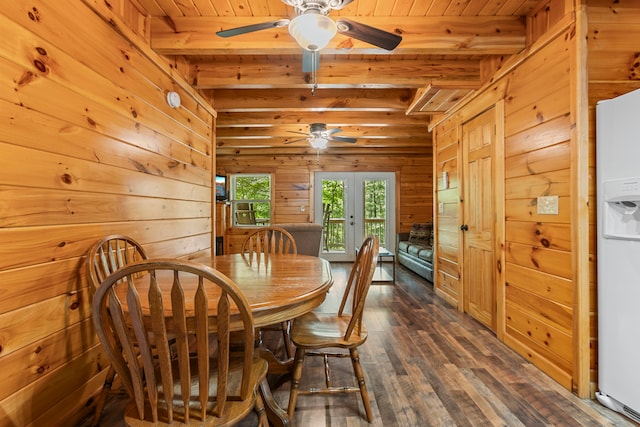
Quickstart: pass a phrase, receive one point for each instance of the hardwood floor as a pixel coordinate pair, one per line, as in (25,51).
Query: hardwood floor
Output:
(428,365)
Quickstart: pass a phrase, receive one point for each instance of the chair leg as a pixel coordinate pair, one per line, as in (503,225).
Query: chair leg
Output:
(357,369)
(263,421)
(295,380)
(102,397)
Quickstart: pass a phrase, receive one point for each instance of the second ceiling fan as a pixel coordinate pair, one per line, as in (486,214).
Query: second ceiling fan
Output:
(319,136)
(313,29)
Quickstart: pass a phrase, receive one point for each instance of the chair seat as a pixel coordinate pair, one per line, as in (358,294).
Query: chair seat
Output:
(319,330)
(235,409)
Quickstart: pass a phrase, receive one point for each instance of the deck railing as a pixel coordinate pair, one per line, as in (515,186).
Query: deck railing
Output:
(334,232)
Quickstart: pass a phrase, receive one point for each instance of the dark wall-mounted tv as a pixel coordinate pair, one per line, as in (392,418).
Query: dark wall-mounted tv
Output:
(222,192)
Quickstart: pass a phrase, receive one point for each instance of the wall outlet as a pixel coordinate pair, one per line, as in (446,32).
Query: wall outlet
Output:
(547,205)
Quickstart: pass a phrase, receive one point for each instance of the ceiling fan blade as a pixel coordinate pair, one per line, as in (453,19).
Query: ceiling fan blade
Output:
(342,139)
(296,140)
(255,27)
(368,34)
(310,60)
(301,133)
(334,130)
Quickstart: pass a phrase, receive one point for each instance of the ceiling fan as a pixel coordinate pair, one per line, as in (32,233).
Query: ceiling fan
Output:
(313,29)
(319,136)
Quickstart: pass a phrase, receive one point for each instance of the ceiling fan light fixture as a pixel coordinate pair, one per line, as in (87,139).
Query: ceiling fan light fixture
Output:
(318,142)
(312,30)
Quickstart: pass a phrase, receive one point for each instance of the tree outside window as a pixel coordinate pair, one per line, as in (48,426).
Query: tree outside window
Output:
(251,199)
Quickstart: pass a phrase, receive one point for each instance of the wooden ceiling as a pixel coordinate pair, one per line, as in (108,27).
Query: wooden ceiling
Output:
(384,99)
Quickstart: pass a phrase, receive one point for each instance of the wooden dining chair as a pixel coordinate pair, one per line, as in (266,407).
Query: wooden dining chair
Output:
(315,333)
(269,241)
(106,256)
(264,242)
(201,385)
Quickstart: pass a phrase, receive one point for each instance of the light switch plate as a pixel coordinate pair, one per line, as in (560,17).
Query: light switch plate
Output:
(547,205)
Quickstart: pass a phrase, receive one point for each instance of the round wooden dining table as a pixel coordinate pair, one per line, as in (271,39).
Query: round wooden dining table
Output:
(278,287)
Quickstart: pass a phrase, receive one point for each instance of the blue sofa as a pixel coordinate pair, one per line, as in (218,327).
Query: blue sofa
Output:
(415,249)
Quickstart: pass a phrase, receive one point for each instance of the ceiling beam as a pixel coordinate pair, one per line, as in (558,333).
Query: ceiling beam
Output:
(290,150)
(293,132)
(334,72)
(274,100)
(330,118)
(441,35)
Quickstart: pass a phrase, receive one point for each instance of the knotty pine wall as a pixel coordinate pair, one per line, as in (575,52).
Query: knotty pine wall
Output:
(547,308)
(88,147)
(293,183)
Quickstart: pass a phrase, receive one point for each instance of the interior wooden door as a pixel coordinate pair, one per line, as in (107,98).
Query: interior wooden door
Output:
(479,282)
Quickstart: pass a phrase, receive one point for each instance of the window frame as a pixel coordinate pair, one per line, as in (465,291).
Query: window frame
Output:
(234,200)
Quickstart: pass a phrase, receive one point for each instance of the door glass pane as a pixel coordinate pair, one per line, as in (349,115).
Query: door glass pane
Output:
(333,202)
(375,208)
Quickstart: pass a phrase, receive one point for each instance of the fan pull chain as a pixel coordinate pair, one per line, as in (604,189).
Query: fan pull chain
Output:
(314,72)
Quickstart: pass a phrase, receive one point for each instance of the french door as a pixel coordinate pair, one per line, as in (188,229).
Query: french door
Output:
(351,206)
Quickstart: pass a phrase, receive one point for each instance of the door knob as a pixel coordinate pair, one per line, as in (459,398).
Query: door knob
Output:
(464,227)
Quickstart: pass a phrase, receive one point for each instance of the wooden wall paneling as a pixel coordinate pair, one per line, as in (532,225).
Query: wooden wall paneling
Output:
(551,287)
(64,276)
(71,207)
(88,147)
(68,173)
(526,210)
(145,150)
(560,315)
(547,14)
(30,363)
(551,367)
(447,268)
(544,235)
(530,186)
(544,338)
(61,67)
(542,259)
(543,135)
(292,190)
(34,404)
(28,246)
(540,110)
(553,158)
(415,195)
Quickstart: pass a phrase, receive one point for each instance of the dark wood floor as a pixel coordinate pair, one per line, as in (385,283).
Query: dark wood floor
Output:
(428,365)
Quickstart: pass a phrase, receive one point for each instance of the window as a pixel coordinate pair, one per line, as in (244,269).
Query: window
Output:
(251,199)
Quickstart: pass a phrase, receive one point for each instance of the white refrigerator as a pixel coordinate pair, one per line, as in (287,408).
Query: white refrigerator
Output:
(618,196)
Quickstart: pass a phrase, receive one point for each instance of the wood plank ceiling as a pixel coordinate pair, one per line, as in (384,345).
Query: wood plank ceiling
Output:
(384,99)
